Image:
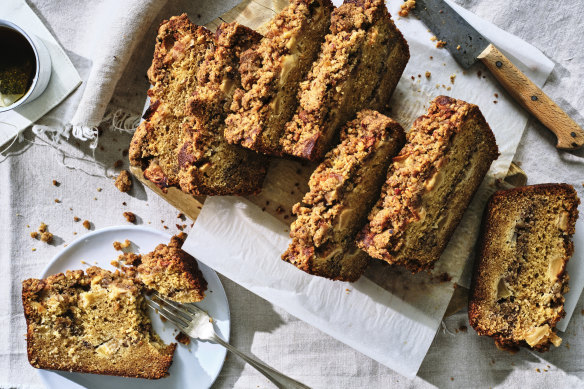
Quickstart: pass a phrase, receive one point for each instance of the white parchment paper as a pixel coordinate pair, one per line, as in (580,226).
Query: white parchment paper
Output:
(391,316)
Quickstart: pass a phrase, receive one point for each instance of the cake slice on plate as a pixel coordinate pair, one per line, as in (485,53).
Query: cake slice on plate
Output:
(429,185)
(92,322)
(520,274)
(270,74)
(171,272)
(359,66)
(343,188)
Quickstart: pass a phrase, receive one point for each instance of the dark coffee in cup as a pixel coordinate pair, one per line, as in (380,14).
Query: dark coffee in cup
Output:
(17,66)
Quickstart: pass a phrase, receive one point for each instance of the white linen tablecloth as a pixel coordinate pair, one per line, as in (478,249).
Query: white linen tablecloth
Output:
(457,358)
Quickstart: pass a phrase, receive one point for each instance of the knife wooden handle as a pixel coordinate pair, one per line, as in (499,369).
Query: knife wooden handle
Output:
(570,134)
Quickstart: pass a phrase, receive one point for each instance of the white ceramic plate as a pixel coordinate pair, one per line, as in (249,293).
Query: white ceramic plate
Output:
(194,366)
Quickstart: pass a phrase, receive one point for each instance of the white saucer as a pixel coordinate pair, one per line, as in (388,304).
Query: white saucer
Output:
(196,365)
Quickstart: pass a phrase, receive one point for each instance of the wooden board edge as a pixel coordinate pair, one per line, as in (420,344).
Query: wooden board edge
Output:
(189,205)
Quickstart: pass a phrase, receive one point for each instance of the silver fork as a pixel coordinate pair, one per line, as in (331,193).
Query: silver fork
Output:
(197,324)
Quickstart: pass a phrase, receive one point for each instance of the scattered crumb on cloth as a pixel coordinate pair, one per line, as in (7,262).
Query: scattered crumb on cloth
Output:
(124,181)
(130,216)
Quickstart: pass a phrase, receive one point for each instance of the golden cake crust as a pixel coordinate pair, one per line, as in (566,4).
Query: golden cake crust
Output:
(509,228)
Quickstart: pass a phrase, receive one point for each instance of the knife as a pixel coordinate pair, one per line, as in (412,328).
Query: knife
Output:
(468,46)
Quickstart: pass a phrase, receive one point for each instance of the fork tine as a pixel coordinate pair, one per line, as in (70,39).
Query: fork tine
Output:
(172,317)
(186,309)
(174,308)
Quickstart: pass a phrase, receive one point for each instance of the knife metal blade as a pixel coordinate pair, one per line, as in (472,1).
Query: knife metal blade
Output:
(462,40)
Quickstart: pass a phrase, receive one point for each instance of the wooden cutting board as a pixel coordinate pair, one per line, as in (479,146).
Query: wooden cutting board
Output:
(287,181)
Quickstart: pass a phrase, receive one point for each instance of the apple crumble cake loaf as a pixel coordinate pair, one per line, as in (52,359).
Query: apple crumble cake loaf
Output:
(92,323)
(171,272)
(520,275)
(359,66)
(208,164)
(180,49)
(270,75)
(429,185)
(343,189)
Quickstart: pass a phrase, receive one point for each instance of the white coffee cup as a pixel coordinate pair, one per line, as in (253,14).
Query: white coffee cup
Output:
(43,66)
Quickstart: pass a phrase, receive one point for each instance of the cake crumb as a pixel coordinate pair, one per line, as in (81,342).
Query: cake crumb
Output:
(124,181)
(181,216)
(99,189)
(56,183)
(35,235)
(57,201)
(406,8)
(42,227)
(458,47)
(428,74)
(33,249)
(440,44)
(76,219)
(452,78)
(86,224)
(183,338)
(47,237)
(434,39)
(130,217)
(539,371)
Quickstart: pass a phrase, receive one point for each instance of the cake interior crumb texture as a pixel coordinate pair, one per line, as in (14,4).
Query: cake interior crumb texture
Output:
(172,272)
(208,164)
(270,75)
(429,185)
(180,48)
(343,188)
(359,66)
(93,322)
(520,274)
